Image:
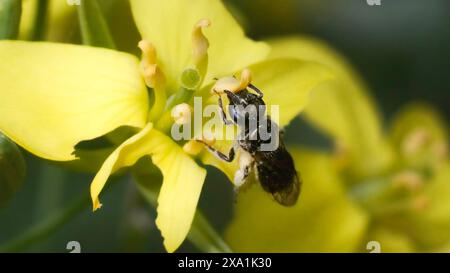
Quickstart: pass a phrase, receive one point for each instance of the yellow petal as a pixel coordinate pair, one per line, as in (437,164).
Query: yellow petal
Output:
(182,184)
(323,220)
(343,108)
(178,198)
(53,96)
(288,83)
(168,25)
(124,156)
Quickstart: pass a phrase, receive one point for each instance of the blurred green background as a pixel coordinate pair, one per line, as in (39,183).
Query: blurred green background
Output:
(401,48)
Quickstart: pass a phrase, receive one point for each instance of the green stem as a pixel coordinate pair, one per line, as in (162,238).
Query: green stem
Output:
(190,81)
(49,195)
(205,237)
(183,95)
(42,230)
(202,234)
(94,29)
(40,21)
(10,12)
(12,169)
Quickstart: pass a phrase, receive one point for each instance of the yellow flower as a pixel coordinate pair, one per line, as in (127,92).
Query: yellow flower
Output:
(391,187)
(56,96)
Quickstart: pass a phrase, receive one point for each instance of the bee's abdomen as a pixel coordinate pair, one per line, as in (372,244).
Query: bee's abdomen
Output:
(274,179)
(278,176)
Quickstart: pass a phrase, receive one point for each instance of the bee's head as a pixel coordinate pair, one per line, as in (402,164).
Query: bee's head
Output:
(245,106)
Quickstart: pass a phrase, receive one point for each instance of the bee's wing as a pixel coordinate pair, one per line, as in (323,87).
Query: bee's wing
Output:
(288,196)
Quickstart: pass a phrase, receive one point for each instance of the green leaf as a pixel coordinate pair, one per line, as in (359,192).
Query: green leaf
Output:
(10,12)
(94,28)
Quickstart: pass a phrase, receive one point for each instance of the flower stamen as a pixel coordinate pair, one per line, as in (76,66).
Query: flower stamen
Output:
(154,77)
(232,84)
(200,45)
(181,113)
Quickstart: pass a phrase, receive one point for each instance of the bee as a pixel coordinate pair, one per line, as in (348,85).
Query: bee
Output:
(274,168)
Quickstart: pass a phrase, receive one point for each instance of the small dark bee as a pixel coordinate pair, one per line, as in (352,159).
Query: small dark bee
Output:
(274,168)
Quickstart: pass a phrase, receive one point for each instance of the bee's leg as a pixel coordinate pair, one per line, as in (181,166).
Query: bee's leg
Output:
(227,158)
(226,121)
(254,88)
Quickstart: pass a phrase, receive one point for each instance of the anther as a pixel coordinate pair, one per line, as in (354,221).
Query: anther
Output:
(148,52)
(181,113)
(232,83)
(200,46)
(154,77)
